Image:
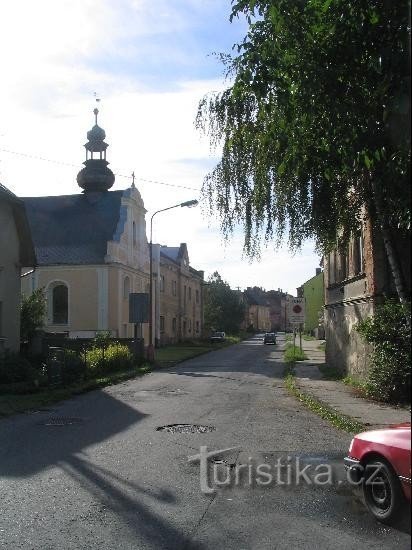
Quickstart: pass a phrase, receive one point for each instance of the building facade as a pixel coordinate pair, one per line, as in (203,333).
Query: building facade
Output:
(357,278)
(257,310)
(93,253)
(16,251)
(314,293)
(179,293)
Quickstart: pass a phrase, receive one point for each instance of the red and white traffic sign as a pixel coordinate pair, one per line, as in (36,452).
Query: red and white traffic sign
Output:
(296,311)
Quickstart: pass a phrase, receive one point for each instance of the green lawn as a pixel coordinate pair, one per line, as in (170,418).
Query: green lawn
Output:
(172,354)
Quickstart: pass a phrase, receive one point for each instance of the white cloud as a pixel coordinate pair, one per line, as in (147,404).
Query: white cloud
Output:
(56,53)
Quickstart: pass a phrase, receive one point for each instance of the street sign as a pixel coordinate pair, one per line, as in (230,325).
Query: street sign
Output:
(138,307)
(296,311)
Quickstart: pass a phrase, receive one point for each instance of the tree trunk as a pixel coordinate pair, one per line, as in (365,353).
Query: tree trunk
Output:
(390,249)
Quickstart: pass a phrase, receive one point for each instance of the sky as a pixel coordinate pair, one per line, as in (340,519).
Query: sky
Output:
(149,62)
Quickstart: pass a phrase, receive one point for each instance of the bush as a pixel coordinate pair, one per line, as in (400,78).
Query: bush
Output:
(15,368)
(389,331)
(114,357)
(74,368)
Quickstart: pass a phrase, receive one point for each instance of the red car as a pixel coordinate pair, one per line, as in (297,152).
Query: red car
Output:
(380,461)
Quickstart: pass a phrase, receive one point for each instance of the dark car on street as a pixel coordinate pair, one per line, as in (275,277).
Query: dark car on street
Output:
(218,337)
(269,338)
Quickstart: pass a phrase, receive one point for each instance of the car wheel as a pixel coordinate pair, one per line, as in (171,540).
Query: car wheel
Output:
(382,490)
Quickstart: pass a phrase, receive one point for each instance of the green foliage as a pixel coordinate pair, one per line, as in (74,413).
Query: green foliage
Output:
(114,357)
(102,339)
(293,353)
(74,368)
(323,410)
(315,122)
(14,368)
(32,313)
(389,331)
(223,309)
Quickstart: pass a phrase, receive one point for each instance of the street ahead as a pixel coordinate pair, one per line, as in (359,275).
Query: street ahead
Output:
(94,471)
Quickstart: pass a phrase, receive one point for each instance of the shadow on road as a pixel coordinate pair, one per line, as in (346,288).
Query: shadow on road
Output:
(125,499)
(50,437)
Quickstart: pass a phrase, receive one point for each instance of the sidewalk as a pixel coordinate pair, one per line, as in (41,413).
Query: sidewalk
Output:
(341,397)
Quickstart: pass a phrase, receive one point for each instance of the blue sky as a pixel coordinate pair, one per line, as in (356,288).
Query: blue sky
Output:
(150,62)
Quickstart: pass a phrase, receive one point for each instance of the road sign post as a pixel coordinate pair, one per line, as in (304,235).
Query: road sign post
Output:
(297,317)
(138,314)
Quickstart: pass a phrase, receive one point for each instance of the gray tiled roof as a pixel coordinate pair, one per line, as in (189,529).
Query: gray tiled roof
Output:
(73,229)
(171,252)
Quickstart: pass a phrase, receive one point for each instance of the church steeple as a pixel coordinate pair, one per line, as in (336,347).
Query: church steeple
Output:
(96,176)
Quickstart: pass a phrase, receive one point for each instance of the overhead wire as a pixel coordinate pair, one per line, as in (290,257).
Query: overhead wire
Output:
(62,163)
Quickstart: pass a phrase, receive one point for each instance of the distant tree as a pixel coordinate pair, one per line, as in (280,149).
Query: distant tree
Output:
(315,125)
(223,309)
(32,313)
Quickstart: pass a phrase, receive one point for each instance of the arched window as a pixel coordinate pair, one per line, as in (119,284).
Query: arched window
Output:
(60,304)
(126,288)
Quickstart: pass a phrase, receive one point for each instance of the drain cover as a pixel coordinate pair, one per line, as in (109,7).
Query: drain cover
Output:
(62,421)
(186,429)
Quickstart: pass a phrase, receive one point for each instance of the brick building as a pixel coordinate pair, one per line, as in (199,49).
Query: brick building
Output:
(357,278)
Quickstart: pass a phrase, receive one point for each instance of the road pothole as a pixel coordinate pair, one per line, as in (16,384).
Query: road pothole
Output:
(185,429)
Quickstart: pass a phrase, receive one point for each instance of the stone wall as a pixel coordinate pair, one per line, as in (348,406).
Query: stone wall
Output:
(345,348)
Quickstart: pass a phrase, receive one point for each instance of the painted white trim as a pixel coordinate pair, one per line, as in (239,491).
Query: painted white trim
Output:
(102,298)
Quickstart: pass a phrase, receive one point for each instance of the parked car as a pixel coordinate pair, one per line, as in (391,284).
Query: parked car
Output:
(269,338)
(380,461)
(218,337)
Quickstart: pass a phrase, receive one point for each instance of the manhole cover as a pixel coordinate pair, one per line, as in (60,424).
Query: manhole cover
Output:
(186,429)
(62,421)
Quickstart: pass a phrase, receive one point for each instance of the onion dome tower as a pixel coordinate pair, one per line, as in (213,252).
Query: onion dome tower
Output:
(95,176)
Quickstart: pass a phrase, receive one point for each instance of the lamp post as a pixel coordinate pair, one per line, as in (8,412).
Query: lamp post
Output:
(150,348)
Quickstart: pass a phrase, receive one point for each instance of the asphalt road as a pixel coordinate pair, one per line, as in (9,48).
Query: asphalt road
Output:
(95,473)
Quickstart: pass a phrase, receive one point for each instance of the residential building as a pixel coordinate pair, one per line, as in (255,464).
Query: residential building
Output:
(16,251)
(179,315)
(357,278)
(278,309)
(257,311)
(314,294)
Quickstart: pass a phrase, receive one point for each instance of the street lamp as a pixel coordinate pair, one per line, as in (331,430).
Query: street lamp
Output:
(150,348)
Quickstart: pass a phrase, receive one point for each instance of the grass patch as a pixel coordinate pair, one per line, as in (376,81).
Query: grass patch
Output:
(16,403)
(330,373)
(323,410)
(170,355)
(360,387)
(308,337)
(293,353)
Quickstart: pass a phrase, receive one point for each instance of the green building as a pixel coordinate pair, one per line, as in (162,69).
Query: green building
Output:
(313,292)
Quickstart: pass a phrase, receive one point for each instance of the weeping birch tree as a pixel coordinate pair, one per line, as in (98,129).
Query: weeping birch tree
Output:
(314,125)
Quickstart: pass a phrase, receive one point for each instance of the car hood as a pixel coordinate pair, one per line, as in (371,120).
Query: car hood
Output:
(399,434)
